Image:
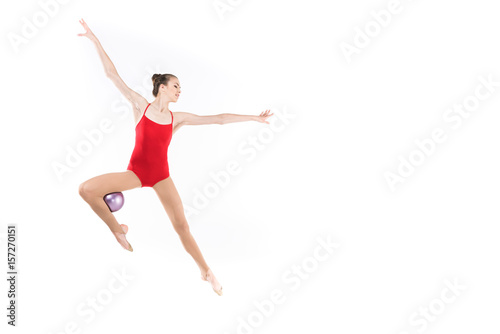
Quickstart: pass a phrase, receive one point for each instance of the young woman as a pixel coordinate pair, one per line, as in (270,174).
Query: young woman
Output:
(148,166)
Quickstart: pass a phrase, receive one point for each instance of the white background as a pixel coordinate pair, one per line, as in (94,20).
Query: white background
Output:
(322,176)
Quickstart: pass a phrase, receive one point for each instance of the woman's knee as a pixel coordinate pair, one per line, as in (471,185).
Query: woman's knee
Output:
(181,226)
(86,190)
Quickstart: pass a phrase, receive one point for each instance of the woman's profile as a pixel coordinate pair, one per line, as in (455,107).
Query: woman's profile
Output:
(148,165)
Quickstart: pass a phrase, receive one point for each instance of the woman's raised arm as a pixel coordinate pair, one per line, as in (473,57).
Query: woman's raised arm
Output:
(137,100)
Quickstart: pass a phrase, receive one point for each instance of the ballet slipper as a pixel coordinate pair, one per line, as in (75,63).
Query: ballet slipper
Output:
(210,277)
(122,240)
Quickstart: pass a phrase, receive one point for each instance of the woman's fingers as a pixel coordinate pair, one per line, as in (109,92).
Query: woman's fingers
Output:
(88,33)
(84,25)
(264,115)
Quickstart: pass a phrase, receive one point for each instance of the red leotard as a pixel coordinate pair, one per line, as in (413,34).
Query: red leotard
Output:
(149,158)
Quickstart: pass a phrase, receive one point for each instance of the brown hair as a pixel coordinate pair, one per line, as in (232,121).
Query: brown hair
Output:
(160,79)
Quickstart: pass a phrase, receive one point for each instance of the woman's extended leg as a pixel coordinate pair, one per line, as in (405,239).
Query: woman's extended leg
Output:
(171,201)
(93,191)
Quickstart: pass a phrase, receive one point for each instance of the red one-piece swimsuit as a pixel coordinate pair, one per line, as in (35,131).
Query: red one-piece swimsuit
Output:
(149,160)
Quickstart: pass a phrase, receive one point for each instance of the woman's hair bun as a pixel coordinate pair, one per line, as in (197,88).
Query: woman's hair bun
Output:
(155,76)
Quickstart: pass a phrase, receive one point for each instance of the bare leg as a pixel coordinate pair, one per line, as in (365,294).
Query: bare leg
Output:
(93,191)
(171,201)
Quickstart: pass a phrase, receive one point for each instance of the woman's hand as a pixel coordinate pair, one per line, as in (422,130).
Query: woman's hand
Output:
(263,116)
(88,33)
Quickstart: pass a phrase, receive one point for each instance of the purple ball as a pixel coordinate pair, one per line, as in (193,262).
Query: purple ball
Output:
(114,201)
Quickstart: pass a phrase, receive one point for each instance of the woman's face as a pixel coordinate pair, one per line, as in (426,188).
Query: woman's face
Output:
(173,89)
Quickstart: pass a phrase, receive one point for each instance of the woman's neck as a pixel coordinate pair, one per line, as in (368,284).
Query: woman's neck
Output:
(161,104)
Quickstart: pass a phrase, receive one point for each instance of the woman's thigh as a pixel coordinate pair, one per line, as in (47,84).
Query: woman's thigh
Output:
(110,182)
(171,201)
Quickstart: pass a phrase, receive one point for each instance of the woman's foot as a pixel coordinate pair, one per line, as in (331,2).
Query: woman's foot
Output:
(210,277)
(120,237)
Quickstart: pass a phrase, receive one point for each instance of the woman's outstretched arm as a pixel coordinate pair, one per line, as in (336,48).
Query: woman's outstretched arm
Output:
(135,99)
(186,118)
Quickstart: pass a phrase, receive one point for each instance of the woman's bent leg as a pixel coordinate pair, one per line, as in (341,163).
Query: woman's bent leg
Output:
(94,189)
